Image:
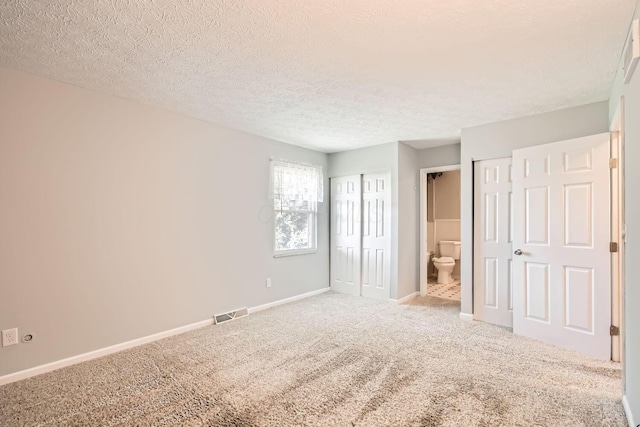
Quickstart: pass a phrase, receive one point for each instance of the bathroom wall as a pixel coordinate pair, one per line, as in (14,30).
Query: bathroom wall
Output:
(446,210)
(431,239)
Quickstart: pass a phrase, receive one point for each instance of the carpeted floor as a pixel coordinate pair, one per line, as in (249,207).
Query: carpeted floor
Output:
(330,360)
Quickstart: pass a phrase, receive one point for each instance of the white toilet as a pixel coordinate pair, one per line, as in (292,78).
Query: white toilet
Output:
(449,253)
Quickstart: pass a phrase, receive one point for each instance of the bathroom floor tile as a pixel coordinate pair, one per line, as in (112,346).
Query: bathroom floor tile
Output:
(450,291)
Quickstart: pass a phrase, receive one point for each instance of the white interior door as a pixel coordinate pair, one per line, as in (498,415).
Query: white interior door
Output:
(346,240)
(492,296)
(376,235)
(562,269)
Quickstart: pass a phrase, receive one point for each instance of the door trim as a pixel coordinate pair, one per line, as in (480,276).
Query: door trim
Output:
(618,235)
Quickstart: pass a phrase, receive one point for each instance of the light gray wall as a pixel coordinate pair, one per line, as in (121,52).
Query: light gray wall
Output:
(404,163)
(631,325)
(409,226)
(444,155)
(119,221)
(498,140)
(409,163)
(379,158)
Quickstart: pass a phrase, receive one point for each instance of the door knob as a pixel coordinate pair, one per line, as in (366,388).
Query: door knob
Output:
(518,252)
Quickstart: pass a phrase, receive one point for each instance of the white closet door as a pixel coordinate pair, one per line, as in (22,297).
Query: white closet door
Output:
(561,267)
(492,297)
(376,236)
(346,242)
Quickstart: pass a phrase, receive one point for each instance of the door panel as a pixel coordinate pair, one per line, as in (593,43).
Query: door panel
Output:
(345,235)
(492,242)
(537,215)
(561,290)
(537,291)
(376,236)
(577,298)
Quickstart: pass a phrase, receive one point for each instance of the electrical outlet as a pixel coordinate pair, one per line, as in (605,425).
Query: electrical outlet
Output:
(268,283)
(9,337)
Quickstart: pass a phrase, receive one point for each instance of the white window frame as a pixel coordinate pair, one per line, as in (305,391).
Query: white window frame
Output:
(311,210)
(313,224)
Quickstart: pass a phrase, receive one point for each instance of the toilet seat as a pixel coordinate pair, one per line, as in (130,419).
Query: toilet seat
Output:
(444,260)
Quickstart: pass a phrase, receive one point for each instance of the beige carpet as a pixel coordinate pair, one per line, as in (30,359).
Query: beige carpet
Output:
(331,360)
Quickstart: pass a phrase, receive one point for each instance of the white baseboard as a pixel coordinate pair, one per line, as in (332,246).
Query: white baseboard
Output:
(627,411)
(466,316)
(405,299)
(287,300)
(48,367)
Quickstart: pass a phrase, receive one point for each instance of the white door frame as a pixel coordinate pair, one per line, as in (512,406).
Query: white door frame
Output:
(424,264)
(618,232)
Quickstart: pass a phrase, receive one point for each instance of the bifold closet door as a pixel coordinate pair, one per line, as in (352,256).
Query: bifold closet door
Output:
(346,237)
(361,235)
(376,236)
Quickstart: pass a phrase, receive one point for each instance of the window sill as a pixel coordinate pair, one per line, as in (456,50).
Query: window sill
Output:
(295,252)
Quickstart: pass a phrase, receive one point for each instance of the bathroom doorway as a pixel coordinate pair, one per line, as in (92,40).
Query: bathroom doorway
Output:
(440,232)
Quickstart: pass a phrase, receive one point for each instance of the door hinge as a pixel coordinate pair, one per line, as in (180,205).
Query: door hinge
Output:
(613,247)
(613,163)
(614,331)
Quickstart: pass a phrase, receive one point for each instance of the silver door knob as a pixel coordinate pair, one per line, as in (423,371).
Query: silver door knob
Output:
(518,252)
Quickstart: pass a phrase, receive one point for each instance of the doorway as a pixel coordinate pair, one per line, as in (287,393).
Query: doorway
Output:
(440,232)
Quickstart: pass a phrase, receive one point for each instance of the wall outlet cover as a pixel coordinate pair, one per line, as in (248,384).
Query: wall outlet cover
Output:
(9,337)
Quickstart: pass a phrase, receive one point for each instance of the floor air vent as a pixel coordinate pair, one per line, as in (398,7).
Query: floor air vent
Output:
(221,318)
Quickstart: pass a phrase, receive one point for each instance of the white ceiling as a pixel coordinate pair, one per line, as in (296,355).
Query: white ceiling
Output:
(328,74)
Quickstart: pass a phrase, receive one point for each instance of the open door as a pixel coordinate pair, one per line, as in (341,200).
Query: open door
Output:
(561,263)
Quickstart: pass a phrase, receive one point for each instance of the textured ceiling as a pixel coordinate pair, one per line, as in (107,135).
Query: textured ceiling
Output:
(328,74)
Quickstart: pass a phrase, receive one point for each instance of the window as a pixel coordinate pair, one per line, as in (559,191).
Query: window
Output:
(296,190)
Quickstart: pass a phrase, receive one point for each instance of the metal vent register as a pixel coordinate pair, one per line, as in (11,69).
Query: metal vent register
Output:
(225,317)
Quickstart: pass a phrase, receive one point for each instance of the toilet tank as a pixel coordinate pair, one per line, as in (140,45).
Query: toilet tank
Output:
(449,248)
